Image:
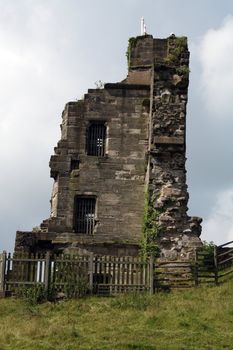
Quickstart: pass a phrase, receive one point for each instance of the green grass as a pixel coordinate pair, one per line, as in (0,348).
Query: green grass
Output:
(186,319)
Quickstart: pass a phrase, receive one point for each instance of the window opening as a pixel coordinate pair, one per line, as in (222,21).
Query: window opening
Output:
(84,214)
(74,164)
(96,139)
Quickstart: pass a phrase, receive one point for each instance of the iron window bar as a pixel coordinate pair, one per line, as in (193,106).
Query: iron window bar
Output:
(84,214)
(96,139)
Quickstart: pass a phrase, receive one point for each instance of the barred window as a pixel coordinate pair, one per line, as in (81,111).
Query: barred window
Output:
(84,214)
(96,139)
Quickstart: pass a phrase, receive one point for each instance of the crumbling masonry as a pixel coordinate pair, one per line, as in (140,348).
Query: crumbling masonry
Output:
(119,145)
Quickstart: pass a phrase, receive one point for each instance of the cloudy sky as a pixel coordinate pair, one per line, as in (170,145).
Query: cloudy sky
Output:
(52,51)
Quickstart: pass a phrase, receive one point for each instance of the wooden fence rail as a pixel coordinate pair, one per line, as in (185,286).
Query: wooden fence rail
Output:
(224,261)
(106,275)
(101,274)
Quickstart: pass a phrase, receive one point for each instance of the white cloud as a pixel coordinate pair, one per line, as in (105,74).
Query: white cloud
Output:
(219,225)
(50,53)
(35,83)
(215,54)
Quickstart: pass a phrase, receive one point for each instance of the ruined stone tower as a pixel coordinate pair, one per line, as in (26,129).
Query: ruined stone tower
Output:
(119,145)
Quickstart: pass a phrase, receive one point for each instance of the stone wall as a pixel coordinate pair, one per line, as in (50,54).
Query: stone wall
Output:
(178,233)
(117,179)
(145,149)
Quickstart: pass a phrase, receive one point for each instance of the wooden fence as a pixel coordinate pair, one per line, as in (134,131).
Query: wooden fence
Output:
(224,261)
(107,275)
(212,265)
(215,265)
(102,275)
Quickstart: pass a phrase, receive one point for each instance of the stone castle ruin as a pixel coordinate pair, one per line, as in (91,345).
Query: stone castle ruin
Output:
(119,167)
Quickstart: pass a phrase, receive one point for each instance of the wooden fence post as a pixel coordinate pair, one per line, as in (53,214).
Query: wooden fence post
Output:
(90,271)
(215,265)
(3,271)
(47,271)
(151,262)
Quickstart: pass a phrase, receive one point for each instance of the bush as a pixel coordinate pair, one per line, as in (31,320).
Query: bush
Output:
(208,249)
(33,295)
(76,288)
(72,278)
(206,252)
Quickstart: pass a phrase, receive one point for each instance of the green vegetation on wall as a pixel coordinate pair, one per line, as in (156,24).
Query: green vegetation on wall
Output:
(183,70)
(151,228)
(131,43)
(176,47)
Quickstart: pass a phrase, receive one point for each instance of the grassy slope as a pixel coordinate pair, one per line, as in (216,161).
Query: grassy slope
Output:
(191,319)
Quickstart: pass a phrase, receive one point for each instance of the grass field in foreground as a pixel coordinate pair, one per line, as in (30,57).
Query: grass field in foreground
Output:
(201,318)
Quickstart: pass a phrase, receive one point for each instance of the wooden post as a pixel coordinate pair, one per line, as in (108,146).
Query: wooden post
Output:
(3,271)
(47,271)
(215,265)
(151,262)
(90,271)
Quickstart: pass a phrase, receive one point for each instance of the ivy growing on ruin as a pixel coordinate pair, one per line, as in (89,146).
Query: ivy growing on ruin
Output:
(151,228)
(176,47)
(183,70)
(131,43)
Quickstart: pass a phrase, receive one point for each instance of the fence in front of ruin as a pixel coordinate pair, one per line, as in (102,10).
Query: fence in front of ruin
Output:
(109,275)
(101,274)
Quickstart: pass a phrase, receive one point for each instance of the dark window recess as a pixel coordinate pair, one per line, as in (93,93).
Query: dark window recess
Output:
(84,214)
(96,139)
(74,164)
